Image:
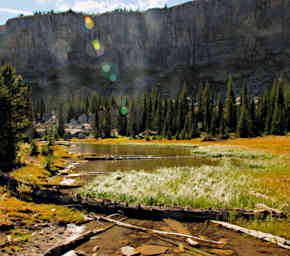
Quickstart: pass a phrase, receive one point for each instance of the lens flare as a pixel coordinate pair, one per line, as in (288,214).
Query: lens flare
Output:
(97,45)
(113,78)
(61,50)
(85,27)
(95,48)
(63,45)
(123,111)
(89,23)
(106,67)
(101,52)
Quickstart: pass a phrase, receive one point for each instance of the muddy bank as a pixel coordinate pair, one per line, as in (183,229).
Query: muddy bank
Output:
(110,242)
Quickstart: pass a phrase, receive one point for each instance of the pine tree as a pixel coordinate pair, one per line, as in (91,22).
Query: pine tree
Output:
(149,114)
(220,113)
(107,124)
(93,103)
(96,124)
(42,109)
(144,115)
(243,129)
(278,120)
(7,134)
(206,108)
(230,107)
(15,113)
(60,127)
(277,127)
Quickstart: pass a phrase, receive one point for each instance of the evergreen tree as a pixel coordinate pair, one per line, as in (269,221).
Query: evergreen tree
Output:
(157,119)
(60,127)
(107,124)
(277,122)
(230,107)
(220,113)
(206,108)
(96,124)
(243,129)
(93,103)
(15,113)
(41,109)
(149,110)
(144,115)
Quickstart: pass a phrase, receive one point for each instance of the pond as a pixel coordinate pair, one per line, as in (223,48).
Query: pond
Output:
(170,156)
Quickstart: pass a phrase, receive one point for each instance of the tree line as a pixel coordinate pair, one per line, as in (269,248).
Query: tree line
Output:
(150,115)
(183,117)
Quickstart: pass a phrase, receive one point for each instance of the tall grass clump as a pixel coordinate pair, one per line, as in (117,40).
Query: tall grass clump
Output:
(206,186)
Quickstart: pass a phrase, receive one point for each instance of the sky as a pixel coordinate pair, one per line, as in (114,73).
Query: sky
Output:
(13,8)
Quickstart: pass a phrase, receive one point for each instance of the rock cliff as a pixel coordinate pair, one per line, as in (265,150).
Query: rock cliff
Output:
(197,41)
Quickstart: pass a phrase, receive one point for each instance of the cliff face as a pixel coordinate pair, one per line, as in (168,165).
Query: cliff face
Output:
(199,40)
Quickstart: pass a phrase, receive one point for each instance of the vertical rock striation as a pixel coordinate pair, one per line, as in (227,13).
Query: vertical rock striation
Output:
(199,40)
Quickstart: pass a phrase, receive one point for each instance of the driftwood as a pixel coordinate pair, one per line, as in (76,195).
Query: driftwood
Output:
(130,226)
(127,157)
(59,186)
(71,244)
(118,157)
(84,174)
(274,212)
(160,212)
(282,242)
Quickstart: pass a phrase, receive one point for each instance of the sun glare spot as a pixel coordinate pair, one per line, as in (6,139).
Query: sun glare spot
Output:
(106,67)
(113,77)
(123,111)
(89,23)
(97,45)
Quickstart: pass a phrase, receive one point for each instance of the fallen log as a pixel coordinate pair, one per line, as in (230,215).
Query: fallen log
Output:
(95,158)
(280,241)
(71,244)
(84,174)
(139,228)
(59,186)
(274,212)
(159,212)
(40,195)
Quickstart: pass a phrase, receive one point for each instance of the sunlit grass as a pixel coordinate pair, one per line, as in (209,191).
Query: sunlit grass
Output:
(205,186)
(272,144)
(15,211)
(276,227)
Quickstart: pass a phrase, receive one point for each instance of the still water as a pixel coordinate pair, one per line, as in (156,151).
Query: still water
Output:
(170,156)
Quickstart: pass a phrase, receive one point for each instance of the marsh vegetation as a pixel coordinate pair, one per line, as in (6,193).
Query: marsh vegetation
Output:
(240,178)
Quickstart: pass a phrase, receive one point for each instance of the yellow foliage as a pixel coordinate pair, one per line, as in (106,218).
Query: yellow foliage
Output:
(12,209)
(31,174)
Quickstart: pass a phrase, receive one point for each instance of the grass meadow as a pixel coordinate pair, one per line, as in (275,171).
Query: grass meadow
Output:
(242,178)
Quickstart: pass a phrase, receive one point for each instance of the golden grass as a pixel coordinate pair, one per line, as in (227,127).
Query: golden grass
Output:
(19,212)
(15,211)
(31,174)
(275,227)
(273,144)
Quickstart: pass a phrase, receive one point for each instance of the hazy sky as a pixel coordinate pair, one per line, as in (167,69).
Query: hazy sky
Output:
(13,8)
